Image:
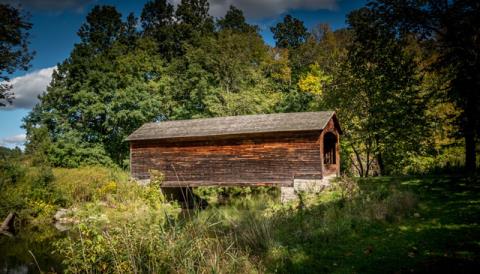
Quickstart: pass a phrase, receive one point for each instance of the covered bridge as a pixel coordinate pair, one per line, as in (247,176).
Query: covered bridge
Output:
(266,149)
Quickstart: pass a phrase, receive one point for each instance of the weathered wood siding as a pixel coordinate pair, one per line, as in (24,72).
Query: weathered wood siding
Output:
(256,159)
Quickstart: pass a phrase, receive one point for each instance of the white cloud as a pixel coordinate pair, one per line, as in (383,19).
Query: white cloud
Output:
(261,9)
(27,88)
(13,141)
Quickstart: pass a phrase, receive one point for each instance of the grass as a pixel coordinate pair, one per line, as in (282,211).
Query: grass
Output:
(442,234)
(388,225)
(375,225)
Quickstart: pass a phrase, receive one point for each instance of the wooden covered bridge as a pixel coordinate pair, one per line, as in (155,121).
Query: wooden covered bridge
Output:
(249,150)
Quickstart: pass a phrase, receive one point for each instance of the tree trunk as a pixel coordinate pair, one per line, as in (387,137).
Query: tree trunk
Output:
(469,130)
(359,160)
(381,165)
(369,144)
(470,154)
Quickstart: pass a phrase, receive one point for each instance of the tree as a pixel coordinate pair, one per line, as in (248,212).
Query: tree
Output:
(235,21)
(377,97)
(158,22)
(320,58)
(453,28)
(314,80)
(102,28)
(14,52)
(193,20)
(290,33)
(174,29)
(224,75)
(156,15)
(130,34)
(95,100)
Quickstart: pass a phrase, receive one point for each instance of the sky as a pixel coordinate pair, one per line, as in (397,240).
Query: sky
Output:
(56,22)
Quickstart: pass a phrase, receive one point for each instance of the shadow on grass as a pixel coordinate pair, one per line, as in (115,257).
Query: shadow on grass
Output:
(440,235)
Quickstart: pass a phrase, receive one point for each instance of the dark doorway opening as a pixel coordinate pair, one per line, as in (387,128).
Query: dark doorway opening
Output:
(329,149)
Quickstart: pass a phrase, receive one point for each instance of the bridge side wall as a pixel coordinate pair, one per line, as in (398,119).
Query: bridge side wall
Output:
(262,159)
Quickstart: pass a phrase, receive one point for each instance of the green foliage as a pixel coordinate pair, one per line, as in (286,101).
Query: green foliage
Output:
(70,151)
(380,90)
(451,29)
(290,33)
(29,192)
(183,64)
(103,26)
(215,195)
(251,234)
(83,184)
(235,21)
(156,178)
(152,248)
(99,119)
(14,40)
(11,171)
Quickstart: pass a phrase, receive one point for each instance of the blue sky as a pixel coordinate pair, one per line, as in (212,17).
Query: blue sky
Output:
(55,24)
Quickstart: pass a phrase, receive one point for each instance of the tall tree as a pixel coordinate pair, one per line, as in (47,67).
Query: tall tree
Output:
(224,75)
(235,21)
(158,21)
(193,20)
(290,33)
(102,28)
(377,96)
(453,28)
(130,34)
(14,52)
(95,100)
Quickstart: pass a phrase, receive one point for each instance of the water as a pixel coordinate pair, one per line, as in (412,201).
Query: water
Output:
(30,251)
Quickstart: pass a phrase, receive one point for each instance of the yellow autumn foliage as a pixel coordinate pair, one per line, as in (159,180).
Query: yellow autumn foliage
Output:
(314,80)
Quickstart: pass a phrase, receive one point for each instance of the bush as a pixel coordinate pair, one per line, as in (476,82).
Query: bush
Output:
(10,172)
(138,232)
(86,184)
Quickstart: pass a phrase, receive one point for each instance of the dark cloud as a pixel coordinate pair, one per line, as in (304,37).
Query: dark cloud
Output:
(51,5)
(27,88)
(260,9)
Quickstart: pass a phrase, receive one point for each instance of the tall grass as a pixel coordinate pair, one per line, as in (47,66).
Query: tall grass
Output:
(133,229)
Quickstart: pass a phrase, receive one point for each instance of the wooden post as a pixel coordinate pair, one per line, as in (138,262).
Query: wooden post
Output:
(322,169)
(337,152)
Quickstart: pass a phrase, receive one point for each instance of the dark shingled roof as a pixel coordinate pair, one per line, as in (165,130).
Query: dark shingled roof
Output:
(232,125)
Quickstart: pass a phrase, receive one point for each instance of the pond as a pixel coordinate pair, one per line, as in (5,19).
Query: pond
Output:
(30,250)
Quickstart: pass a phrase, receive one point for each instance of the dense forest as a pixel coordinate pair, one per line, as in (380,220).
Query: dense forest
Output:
(405,90)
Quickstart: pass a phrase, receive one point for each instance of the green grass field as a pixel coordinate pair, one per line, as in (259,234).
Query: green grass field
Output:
(440,235)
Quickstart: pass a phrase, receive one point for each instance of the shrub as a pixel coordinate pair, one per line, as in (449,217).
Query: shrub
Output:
(86,184)
(151,243)
(11,171)
(156,177)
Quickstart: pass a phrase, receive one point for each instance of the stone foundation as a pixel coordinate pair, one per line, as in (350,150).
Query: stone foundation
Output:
(287,194)
(304,185)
